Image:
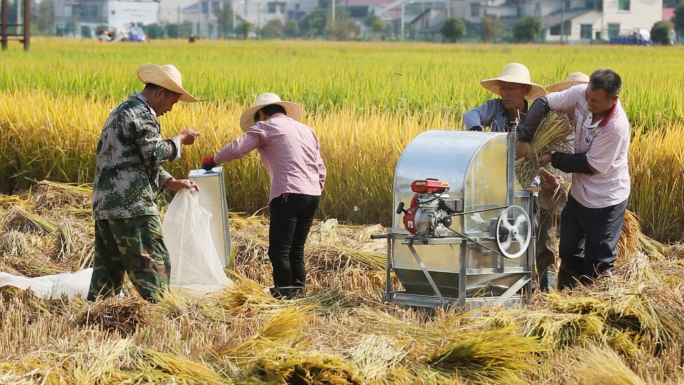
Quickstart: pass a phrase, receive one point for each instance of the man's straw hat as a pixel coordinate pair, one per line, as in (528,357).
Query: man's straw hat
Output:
(573,79)
(166,76)
(514,73)
(292,110)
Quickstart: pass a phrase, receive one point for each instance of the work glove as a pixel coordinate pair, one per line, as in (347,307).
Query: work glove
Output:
(208,163)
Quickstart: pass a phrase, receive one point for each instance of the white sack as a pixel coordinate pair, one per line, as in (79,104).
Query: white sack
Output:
(195,263)
(52,286)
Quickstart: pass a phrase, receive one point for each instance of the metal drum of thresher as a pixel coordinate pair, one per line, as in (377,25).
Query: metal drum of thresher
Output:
(468,267)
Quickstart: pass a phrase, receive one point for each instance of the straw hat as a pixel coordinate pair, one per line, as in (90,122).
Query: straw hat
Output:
(166,76)
(292,110)
(573,79)
(514,73)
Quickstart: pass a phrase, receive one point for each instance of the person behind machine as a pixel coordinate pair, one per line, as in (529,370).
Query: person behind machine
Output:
(549,208)
(502,114)
(591,221)
(291,154)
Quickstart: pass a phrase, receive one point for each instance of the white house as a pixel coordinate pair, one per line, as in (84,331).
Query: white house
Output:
(584,20)
(89,15)
(203,14)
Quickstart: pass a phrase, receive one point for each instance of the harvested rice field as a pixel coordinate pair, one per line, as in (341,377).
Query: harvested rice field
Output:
(625,330)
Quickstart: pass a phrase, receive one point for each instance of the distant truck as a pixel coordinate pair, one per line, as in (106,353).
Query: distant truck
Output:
(640,36)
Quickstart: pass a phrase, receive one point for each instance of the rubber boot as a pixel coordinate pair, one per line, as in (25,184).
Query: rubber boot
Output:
(566,278)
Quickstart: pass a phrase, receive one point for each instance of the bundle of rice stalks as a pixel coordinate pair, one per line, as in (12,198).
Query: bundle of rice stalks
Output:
(300,368)
(633,241)
(559,331)
(280,330)
(377,356)
(13,244)
(488,356)
(20,219)
(599,366)
(51,195)
(551,135)
(124,315)
(159,367)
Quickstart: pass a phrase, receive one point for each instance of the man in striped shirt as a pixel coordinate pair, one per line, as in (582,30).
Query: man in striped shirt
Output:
(290,153)
(591,221)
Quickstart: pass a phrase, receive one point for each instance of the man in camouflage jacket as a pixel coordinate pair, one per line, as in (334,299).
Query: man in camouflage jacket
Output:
(128,178)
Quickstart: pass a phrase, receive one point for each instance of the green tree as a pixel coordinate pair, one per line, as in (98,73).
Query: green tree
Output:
(86,32)
(244,28)
(224,19)
(313,23)
(70,28)
(344,30)
(527,29)
(491,28)
(42,17)
(453,29)
(273,29)
(678,19)
(660,32)
(154,31)
(291,29)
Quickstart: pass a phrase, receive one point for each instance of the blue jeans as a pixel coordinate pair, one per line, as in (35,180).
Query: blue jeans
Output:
(291,219)
(587,243)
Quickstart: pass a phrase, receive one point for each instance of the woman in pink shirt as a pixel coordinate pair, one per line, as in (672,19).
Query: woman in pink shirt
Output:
(291,154)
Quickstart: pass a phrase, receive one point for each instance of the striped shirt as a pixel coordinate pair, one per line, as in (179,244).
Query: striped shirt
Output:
(290,152)
(606,145)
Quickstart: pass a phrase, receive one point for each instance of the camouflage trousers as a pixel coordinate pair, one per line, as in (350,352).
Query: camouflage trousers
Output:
(132,246)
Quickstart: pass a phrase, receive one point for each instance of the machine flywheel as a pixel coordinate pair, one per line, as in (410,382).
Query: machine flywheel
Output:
(513,232)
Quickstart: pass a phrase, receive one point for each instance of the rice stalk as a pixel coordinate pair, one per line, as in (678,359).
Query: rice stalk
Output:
(13,244)
(597,366)
(551,135)
(495,356)
(124,315)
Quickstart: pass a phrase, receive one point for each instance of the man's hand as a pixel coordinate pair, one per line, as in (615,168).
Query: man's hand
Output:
(179,184)
(187,137)
(523,149)
(208,163)
(552,180)
(544,159)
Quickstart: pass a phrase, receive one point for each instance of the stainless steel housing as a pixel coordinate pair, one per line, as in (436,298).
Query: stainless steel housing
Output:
(212,196)
(479,167)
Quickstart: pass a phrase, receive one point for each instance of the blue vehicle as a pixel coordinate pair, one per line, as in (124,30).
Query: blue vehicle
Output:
(640,36)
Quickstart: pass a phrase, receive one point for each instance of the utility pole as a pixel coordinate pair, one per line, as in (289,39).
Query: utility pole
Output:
(401,28)
(178,25)
(562,20)
(332,2)
(232,6)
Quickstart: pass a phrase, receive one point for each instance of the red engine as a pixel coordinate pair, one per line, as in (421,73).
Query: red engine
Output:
(430,211)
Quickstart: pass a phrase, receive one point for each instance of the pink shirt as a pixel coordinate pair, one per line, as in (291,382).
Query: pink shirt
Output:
(606,144)
(290,152)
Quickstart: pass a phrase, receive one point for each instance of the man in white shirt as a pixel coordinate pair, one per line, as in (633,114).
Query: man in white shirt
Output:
(591,222)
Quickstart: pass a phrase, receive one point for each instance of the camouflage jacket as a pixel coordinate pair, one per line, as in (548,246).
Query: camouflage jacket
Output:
(129,175)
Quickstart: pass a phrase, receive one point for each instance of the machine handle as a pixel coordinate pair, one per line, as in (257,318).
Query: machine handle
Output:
(379,236)
(400,208)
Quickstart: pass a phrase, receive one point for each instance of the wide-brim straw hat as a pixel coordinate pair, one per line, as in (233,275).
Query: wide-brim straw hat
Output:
(293,110)
(514,73)
(573,79)
(167,77)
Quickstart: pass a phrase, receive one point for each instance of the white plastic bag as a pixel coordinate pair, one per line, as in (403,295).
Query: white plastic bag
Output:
(52,286)
(195,264)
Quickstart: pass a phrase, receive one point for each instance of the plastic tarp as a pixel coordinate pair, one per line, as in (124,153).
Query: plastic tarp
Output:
(195,263)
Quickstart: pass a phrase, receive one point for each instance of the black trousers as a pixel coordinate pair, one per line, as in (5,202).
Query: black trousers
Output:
(588,240)
(291,219)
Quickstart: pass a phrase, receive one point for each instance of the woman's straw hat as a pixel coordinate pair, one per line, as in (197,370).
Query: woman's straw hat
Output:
(573,79)
(292,110)
(514,73)
(167,77)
